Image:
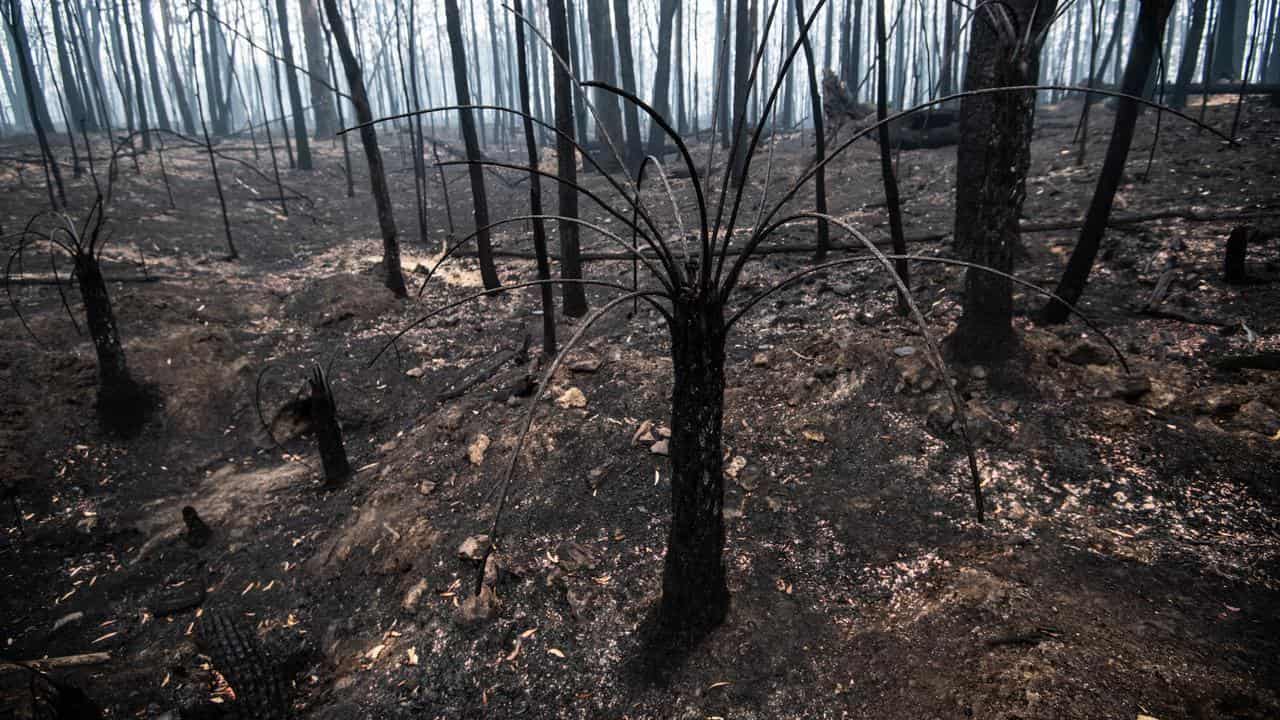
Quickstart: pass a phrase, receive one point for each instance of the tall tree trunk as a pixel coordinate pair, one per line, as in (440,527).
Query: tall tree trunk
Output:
(1147,36)
(855,51)
(139,89)
(948,72)
(369,137)
(635,147)
(1228,54)
(574,295)
(578,59)
(892,203)
(80,119)
(35,100)
(535,197)
(153,67)
(318,69)
(991,176)
(662,75)
(722,92)
(171,55)
(479,199)
(604,70)
(300,137)
(788,86)
(819,133)
(846,45)
(741,90)
(14,88)
(1190,54)
(695,591)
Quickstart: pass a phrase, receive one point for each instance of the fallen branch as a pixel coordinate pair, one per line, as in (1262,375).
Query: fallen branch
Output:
(1259,361)
(487,369)
(56,663)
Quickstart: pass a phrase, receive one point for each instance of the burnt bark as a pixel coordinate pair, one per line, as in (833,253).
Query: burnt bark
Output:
(479,198)
(122,402)
(35,101)
(573,294)
(1147,35)
(741,90)
(153,67)
(394,278)
(662,76)
(635,147)
(535,196)
(820,152)
(603,69)
(301,140)
(171,55)
(891,200)
(139,88)
(1190,54)
(991,174)
(695,591)
(1237,248)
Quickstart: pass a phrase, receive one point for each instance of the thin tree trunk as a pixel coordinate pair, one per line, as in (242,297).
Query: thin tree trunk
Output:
(1146,39)
(815,104)
(662,76)
(121,70)
(741,90)
(369,137)
(300,138)
(535,197)
(603,69)
(479,198)
(576,56)
(573,294)
(153,67)
(171,54)
(71,90)
(35,101)
(892,203)
(635,147)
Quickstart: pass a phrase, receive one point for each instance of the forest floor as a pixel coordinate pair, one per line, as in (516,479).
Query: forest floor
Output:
(1129,565)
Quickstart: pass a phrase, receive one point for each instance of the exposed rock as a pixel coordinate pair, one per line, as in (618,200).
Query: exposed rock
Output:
(572,398)
(978,372)
(904,351)
(572,557)
(584,363)
(1086,352)
(481,607)
(662,447)
(411,598)
(734,467)
(749,478)
(477,448)
(643,434)
(760,360)
(450,419)
(426,487)
(474,547)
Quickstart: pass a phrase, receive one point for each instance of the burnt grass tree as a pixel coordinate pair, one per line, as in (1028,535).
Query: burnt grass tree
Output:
(123,403)
(692,281)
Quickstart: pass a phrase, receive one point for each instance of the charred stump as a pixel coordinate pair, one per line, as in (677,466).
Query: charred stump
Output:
(1237,247)
(324,419)
(695,594)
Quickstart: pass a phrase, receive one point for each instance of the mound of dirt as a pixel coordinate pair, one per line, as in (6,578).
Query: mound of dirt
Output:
(340,300)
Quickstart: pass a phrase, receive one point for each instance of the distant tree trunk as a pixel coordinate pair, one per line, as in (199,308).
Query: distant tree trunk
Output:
(574,295)
(153,67)
(635,147)
(1190,54)
(662,75)
(139,88)
(855,50)
(576,56)
(722,92)
(217,111)
(677,79)
(846,44)
(695,592)
(318,69)
(603,70)
(14,88)
(35,100)
(892,203)
(788,87)
(991,176)
(535,197)
(80,119)
(1146,39)
(369,137)
(1228,54)
(819,133)
(948,72)
(300,137)
(171,55)
(479,200)
(741,90)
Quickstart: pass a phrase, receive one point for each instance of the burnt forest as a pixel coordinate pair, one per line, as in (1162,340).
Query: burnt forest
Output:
(665,359)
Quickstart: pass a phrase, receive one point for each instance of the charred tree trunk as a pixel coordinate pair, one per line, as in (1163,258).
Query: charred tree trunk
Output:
(891,200)
(574,295)
(80,118)
(300,138)
(1237,249)
(139,89)
(1146,39)
(318,68)
(635,147)
(662,76)
(479,198)
(991,176)
(35,101)
(1190,54)
(535,197)
(574,54)
(695,591)
(153,67)
(369,137)
(603,70)
(741,90)
(122,402)
(815,104)
(171,55)
(948,73)
(324,418)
